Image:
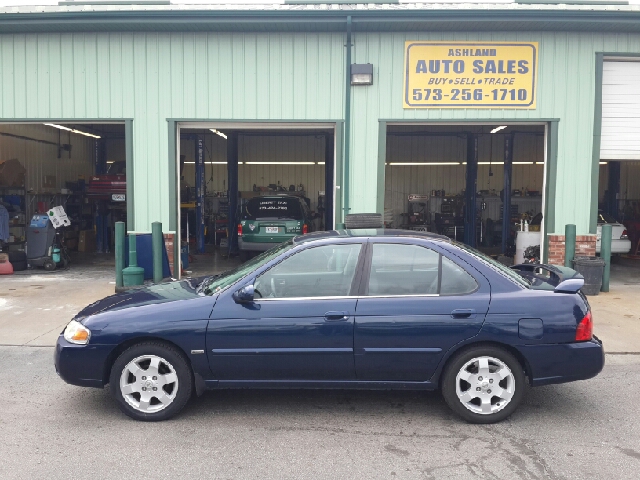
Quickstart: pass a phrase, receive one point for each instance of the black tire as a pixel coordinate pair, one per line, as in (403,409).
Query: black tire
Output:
(456,364)
(19,266)
(363,220)
(170,358)
(243,255)
(49,265)
(17,257)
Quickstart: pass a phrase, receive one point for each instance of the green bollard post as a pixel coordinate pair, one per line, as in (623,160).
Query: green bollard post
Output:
(605,254)
(133,275)
(156,248)
(119,253)
(569,245)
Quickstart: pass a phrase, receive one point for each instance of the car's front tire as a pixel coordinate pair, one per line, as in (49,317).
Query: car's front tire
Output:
(483,384)
(151,381)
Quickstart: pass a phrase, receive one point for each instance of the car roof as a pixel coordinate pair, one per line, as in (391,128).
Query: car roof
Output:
(369,232)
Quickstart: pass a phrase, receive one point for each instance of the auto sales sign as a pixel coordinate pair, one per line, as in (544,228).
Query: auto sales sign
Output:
(470,74)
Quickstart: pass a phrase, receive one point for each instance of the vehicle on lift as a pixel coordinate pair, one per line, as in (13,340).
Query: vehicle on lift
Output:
(620,242)
(264,222)
(370,309)
(111,185)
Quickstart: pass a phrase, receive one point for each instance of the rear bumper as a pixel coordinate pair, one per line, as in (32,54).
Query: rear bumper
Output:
(563,363)
(617,246)
(256,246)
(82,365)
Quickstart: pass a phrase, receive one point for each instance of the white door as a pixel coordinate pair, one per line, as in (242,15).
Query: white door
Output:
(620,111)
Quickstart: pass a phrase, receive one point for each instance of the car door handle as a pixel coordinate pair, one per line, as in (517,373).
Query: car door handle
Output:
(336,316)
(463,312)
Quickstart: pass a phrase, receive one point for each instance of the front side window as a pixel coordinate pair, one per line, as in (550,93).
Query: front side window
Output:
(414,270)
(325,271)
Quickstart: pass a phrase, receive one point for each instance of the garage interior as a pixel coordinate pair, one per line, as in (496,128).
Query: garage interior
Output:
(436,175)
(619,175)
(80,167)
(222,167)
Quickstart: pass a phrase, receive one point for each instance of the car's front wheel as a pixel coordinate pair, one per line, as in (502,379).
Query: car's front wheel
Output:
(483,384)
(151,381)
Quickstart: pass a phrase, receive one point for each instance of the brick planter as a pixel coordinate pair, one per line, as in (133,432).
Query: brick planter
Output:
(585,246)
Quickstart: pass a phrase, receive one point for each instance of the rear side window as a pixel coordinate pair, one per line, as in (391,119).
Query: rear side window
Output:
(398,269)
(455,280)
(264,208)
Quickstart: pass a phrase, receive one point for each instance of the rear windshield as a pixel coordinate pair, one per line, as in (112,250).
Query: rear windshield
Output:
(262,208)
(512,275)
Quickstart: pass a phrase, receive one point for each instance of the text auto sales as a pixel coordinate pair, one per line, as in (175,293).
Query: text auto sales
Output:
(496,67)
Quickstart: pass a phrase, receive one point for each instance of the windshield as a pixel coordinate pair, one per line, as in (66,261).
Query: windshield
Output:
(117,168)
(261,208)
(512,275)
(605,218)
(218,283)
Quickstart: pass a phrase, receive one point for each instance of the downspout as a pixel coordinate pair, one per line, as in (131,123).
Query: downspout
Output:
(347,122)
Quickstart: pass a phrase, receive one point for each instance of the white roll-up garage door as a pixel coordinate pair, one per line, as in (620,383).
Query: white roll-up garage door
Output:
(620,111)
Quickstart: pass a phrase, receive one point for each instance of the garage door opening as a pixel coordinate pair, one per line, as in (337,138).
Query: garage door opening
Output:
(247,187)
(80,167)
(457,180)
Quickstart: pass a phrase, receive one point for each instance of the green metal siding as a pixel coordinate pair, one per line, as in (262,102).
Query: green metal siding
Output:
(152,77)
(566,82)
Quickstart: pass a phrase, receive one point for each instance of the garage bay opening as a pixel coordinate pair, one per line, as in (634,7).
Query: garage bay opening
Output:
(245,188)
(459,180)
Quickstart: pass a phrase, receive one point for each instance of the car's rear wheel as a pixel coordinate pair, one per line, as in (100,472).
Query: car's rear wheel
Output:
(151,381)
(483,384)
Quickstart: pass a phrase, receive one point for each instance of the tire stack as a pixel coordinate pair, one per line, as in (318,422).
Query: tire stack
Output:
(18,260)
(363,220)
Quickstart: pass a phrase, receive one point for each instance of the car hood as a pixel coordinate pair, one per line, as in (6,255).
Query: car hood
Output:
(152,295)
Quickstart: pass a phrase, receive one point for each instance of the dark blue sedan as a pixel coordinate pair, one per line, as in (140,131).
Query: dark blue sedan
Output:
(373,309)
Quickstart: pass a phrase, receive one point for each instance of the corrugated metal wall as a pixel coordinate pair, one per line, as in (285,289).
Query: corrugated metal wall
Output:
(258,148)
(566,79)
(151,77)
(42,160)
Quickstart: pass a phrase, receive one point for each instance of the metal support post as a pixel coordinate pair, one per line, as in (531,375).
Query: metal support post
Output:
(156,249)
(506,191)
(569,245)
(471,191)
(232,174)
(328,181)
(613,189)
(605,254)
(119,253)
(199,194)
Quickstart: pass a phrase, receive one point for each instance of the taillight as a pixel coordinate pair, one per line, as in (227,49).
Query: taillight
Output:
(584,331)
(239,230)
(624,235)
(305,229)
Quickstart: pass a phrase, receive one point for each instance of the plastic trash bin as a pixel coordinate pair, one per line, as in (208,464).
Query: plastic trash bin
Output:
(591,268)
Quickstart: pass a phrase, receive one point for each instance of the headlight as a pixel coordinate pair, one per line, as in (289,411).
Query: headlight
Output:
(77,333)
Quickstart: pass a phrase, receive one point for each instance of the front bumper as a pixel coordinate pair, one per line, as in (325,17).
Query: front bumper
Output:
(565,362)
(82,365)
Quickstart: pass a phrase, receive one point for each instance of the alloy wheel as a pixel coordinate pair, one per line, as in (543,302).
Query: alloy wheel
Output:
(485,385)
(149,383)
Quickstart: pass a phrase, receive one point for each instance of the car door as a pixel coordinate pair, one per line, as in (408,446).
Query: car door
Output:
(416,304)
(300,325)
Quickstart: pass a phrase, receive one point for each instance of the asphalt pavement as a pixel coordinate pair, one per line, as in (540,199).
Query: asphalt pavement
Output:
(52,430)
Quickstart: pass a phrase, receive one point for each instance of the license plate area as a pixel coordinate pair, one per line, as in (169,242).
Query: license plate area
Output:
(117,197)
(272,229)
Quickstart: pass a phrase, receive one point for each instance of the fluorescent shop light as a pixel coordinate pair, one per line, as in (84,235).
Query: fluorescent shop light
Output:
(217,132)
(410,164)
(497,129)
(320,163)
(603,163)
(523,163)
(211,163)
(280,163)
(72,130)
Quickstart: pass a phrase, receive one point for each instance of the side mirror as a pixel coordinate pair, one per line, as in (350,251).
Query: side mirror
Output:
(244,295)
